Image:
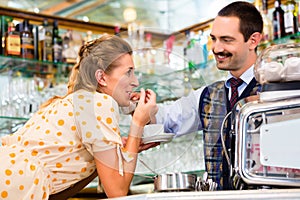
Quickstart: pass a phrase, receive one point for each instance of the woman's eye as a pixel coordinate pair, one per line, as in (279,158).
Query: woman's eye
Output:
(129,72)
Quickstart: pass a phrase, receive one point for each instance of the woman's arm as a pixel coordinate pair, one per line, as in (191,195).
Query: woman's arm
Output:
(108,162)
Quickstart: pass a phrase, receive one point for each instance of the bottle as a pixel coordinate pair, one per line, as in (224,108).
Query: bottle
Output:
(267,28)
(12,41)
(27,41)
(290,18)
(45,42)
(56,43)
(278,21)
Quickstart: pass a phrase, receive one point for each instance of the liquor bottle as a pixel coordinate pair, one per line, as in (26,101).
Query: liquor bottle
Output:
(267,28)
(56,43)
(278,21)
(12,41)
(27,41)
(290,18)
(45,42)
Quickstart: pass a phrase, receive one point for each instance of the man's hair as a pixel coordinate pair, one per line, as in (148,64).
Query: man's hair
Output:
(249,17)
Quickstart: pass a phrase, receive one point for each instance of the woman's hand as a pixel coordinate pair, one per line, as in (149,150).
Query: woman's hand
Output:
(146,108)
(142,146)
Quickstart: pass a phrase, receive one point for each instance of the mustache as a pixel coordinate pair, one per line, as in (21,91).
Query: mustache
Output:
(222,53)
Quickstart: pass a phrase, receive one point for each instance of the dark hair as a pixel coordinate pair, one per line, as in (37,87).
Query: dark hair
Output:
(249,17)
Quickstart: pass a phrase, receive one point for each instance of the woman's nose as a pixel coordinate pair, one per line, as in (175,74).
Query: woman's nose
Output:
(135,81)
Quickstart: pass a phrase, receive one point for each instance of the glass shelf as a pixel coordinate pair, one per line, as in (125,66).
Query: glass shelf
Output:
(14,66)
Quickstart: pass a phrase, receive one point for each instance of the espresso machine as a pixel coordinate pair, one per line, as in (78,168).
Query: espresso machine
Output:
(265,132)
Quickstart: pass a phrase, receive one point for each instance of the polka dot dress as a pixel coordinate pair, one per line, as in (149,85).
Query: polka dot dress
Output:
(55,148)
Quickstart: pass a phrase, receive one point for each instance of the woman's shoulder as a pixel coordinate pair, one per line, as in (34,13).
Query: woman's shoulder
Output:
(96,98)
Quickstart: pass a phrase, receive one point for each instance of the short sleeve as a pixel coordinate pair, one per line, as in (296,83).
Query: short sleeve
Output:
(97,118)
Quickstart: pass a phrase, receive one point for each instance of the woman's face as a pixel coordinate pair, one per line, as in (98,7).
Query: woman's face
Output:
(121,80)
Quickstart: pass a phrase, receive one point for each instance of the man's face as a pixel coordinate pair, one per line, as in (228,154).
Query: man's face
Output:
(228,45)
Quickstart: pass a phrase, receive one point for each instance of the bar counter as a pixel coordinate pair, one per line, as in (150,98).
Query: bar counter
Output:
(221,195)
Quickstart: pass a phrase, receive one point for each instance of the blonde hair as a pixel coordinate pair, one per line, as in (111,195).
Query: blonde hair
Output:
(101,53)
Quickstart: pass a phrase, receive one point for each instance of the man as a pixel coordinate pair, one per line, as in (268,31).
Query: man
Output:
(235,34)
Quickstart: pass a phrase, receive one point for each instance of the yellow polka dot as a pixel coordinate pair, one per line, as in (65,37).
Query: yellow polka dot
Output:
(108,120)
(59,133)
(64,181)
(34,153)
(77,158)
(98,127)
(68,159)
(21,172)
(47,120)
(65,104)
(43,117)
(112,109)
(47,152)
(27,126)
(71,150)
(26,143)
(80,97)
(98,118)
(41,143)
(21,187)
(61,149)
(25,160)
(12,155)
(8,172)
(40,112)
(83,169)
(32,196)
(36,181)
(19,138)
(4,194)
(71,142)
(70,114)
(47,131)
(50,111)
(44,195)
(32,167)
(99,104)
(61,122)
(88,134)
(105,97)
(79,146)
(115,129)
(83,122)
(77,113)
(55,112)
(59,165)
(81,107)
(22,150)
(38,127)
(73,128)
(7,182)
(12,161)
(88,101)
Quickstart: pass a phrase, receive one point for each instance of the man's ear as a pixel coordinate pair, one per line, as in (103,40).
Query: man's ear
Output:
(100,77)
(255,40)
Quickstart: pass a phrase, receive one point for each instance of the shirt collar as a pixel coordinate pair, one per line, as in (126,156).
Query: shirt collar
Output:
(247,76)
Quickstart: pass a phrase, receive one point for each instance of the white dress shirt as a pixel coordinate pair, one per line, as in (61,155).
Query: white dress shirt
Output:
(182,116)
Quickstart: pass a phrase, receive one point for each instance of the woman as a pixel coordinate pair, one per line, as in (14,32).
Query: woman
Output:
(72,136)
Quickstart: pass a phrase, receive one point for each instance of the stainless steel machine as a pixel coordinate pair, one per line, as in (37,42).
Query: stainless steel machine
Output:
(266,132)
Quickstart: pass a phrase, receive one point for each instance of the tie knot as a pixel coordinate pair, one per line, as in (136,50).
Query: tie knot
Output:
(235,82)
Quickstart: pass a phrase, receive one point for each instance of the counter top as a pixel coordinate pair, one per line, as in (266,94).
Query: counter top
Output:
(221,195)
